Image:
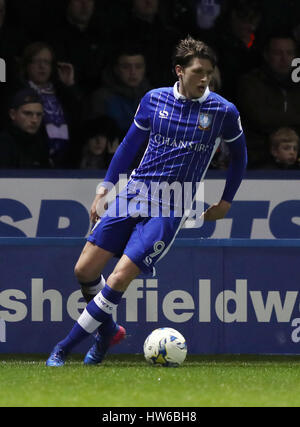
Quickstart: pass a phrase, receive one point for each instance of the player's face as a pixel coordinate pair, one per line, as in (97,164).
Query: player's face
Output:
(40,68)
(280,55)
(287,152)
(131,69)
(195,77)
(28,117)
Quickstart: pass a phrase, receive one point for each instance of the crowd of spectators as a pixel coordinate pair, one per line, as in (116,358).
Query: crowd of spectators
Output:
(77,69)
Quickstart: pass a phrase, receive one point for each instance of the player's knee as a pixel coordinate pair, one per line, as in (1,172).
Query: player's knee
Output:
(118,280)
(81,273)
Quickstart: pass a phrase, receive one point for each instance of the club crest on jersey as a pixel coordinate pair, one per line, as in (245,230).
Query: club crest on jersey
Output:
(205,121)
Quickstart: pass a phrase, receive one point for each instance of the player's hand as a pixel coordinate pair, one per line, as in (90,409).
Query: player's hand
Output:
(217,211)
(99,205)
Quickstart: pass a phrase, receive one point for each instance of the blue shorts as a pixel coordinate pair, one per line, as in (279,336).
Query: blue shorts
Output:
(145,240)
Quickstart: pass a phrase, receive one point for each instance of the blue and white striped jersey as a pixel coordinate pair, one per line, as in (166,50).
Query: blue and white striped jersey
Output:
(183,134)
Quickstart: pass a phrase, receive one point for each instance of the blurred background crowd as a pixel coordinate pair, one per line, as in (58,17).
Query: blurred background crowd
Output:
(77,69)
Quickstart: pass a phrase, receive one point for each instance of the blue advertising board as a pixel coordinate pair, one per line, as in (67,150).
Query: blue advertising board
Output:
(57,204)
(225,296)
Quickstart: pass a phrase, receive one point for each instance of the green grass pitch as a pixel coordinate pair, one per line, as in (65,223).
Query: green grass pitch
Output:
(127,381)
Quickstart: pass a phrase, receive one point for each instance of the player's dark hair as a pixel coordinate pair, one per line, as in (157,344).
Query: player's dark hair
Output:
(189,48)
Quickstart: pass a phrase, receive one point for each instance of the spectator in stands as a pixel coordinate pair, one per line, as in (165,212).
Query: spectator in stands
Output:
(207,13)
(195,17)
(233,38)
(283,149)
(268,98)
(278,14)
(143,26)
(101,142)
(22,146)
(55,84)
(124,84)
(80,41)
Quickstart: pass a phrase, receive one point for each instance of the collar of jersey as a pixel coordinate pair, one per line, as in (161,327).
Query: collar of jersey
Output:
(184,98)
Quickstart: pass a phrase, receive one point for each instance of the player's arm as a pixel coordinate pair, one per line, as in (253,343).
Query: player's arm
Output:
(120,163)
(234,136)
(235,173)
(125,154)
(217,211)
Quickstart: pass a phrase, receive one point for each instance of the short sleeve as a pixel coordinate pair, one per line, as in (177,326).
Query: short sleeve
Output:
(142,115)
(232,127)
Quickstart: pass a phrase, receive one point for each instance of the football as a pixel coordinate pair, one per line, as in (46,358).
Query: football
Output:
(165,347)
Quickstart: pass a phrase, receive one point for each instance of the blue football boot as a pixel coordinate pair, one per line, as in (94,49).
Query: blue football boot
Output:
(57,357)
(97,352)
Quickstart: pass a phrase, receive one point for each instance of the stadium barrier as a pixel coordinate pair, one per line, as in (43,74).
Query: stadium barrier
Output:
(226,296)
(56,204)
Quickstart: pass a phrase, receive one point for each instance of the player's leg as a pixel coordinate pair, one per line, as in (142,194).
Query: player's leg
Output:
(88,270)
(124,272)
(148,242)
(101,309)
(99,312)
(108,237)
(105,306)
(108,331)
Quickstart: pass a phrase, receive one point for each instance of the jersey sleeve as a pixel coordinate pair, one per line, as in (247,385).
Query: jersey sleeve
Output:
(142,115)
(125,154)
(236,169)
(232,127)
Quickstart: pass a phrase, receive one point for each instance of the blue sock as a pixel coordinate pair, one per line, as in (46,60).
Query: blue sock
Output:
(107,328)
(75,336)
(97,313)
(91,289)
(108,325)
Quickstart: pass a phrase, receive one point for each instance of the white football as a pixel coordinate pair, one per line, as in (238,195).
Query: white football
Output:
(165,347)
